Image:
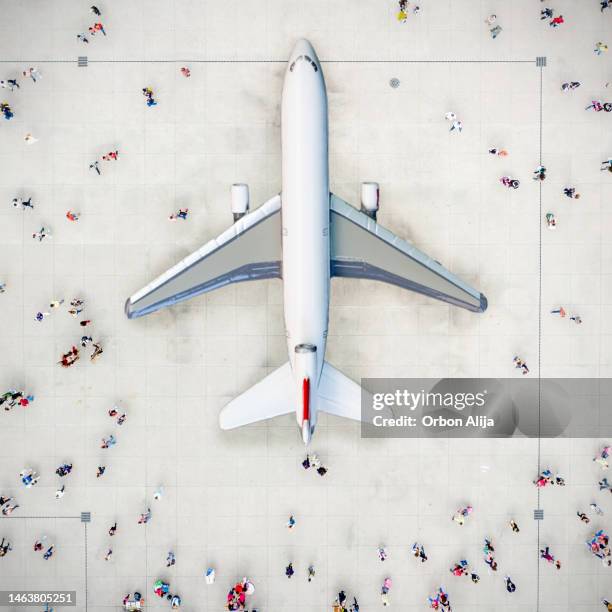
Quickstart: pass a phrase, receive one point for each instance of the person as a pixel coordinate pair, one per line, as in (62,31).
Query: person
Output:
(495,31)
(596,105)
(514,526)
(576,319)
(382,553)
(510,586)
(606,165)
(159,492)
(29,477)
(83,38)
(8,509)
(6,111)
(539,173)
(39,544)
(456,125)
(69,358)
(556,22)
(181,214)
(108,442)
(95,165)
(113,529)
(29,139)
(41,234)
(311,572)
(175,602)
(604,485)
(602,458)
(551,222)
(32,73)
(23,203)
(570,192)
(600,48)
(384,591)
(64,469)
(605,602)
(95,10)
(509,182)
(72,216)
(596,509)
(147,92)
(570,86)
(546,13)
(97,351)
(210,575)
(185,72)
(460,569)
(9,84)
(560,311)
(170,559)
(583,517)
(291,522)
(48,553)
(498,152)
(289,571)
(5,548)
(145,517)
(461,514)
(521,365)
(59,493)
(418,550)
(108,554)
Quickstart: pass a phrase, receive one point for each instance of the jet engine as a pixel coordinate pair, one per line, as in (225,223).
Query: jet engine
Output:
(370,195)
(240,200)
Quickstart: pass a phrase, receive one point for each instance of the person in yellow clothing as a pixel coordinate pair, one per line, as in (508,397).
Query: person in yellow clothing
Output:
(403,8)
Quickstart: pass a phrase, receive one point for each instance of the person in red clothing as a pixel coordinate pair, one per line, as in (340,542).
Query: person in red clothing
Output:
(557,21)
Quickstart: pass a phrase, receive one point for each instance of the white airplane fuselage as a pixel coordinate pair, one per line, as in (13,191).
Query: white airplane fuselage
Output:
(305,226)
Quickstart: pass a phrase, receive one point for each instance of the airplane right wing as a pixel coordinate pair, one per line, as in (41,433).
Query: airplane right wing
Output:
(361,248)
(248,250)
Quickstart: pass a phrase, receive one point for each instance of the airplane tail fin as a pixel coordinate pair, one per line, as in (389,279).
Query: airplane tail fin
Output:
(338,394)
(275,395)
(271,397)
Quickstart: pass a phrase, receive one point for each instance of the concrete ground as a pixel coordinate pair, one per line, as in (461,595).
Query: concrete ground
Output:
(227,495)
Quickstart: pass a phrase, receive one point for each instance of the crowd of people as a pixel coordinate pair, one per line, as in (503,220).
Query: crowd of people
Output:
(239,594)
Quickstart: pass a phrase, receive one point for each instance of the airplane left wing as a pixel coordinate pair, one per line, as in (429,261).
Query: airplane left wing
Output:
(248,250)
(361,248)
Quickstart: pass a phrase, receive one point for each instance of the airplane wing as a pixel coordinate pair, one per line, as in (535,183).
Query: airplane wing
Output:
(248,250)
(361,248)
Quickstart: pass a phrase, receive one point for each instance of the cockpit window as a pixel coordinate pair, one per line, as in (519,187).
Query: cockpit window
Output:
(303,58)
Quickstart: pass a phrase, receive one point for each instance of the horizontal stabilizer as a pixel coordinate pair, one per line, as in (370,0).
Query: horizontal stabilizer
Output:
(271,397)
(338,394)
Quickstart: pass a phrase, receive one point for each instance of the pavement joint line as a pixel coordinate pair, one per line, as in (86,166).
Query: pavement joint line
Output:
(265,61)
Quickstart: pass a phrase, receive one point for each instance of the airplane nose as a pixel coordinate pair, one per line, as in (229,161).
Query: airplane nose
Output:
(303,47)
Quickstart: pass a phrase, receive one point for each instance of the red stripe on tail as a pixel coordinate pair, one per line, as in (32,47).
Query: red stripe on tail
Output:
(306,399)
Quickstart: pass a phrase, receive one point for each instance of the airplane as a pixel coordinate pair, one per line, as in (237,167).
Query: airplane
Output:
(305,236)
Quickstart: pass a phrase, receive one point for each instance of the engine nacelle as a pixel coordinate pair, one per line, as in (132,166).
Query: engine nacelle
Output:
(240,200)
(370,196)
